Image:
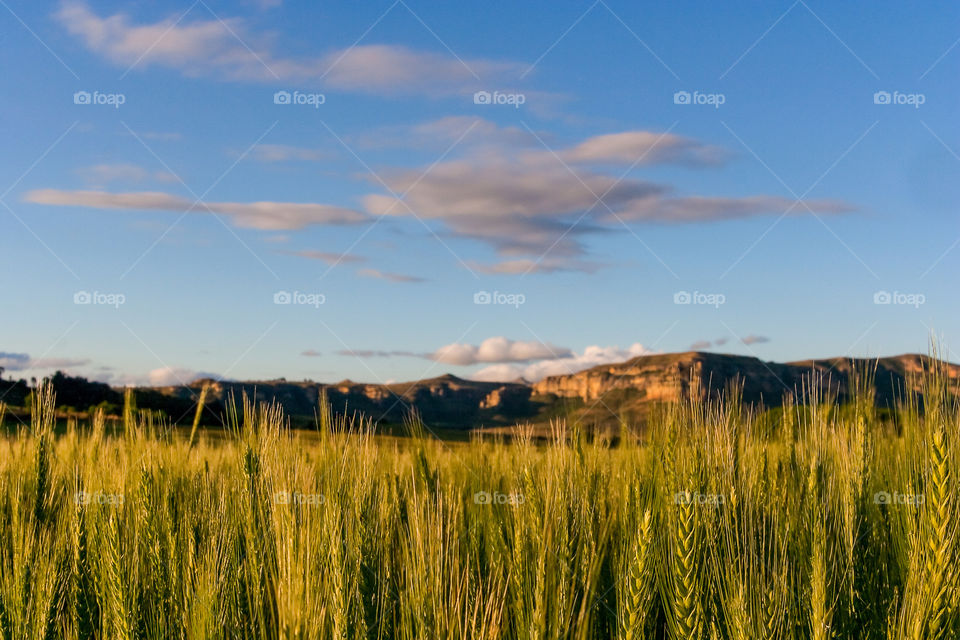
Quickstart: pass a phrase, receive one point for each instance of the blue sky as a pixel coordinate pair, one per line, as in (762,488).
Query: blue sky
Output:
(492,191)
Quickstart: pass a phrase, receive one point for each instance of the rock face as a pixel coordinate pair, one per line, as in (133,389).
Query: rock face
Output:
(673,377)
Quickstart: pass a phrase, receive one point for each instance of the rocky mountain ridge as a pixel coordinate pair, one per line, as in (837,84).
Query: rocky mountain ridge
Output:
(600,395)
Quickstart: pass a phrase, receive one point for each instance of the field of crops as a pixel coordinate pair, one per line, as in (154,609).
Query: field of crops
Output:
(826,523)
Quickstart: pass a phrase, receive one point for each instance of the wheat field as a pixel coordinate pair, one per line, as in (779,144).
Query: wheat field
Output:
(826,522)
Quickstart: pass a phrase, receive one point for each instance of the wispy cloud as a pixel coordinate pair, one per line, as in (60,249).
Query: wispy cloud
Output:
(547,265)
(390,277)
(22,362)
(561,363)
(377,353)
(700,345)
(271,153)
(251,215)
(643,148)
(328,257)
(102,174)
(533,202)
(229,49)
(468,132)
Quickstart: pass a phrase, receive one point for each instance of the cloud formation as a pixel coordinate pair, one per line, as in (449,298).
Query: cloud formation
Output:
(331,258)
(567,363)
(700,345)
(643,148)
(229,49)
(497,349)
(22,362)
(270,216)
(533,202)
(375,353)
(271,153)
(102,174)
(173,376)
(500,187)
(388,276)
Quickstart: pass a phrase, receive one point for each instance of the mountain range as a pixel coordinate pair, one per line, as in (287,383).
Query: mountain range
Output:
(602,395)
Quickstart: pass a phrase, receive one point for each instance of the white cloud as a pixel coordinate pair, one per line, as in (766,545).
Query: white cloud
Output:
(754,339)
(229,49)
(174,376)
(496,349)
(592,356)
(251,215)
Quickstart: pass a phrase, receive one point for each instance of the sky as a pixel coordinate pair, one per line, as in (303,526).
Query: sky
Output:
(388,191)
